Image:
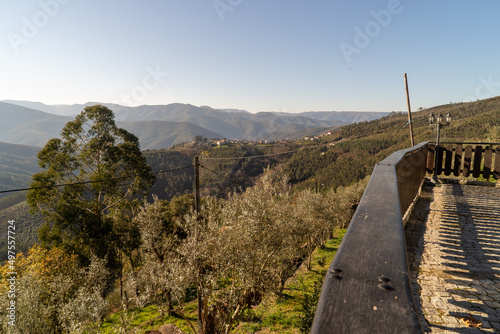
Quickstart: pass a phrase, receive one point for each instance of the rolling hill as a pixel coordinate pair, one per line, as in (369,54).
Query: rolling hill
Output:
(231,125)
(124,112)
(161,134)
(227,123)
(21,125)
(25,126)
(342,116)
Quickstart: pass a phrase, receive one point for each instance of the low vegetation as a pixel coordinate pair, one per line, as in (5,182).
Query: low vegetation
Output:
(236,253)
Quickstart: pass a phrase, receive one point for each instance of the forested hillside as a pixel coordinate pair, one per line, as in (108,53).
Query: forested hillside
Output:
(366,143)
(336,160)
(472,121)
(27,225)
(17,164)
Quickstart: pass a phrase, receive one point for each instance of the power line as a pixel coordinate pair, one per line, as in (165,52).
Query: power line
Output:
(89,182)
(249,157)
(212,171)
(264,155)
(172,170)
(162,171)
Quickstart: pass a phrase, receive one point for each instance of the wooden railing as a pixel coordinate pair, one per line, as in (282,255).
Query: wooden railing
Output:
(367,288)
(465,159)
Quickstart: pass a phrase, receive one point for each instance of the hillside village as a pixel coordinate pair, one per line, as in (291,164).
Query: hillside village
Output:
(200,141)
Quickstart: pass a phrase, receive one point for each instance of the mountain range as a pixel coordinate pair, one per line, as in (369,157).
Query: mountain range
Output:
(161,126)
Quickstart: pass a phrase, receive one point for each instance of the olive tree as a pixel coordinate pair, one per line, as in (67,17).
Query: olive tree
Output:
(241,248)
(161,277)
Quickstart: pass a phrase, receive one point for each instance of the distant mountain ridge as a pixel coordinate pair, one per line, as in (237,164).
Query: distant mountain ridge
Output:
(344,116)
(161,126)
(72,110)
(20,125)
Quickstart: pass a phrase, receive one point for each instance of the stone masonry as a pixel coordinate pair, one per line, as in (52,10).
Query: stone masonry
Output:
(453,243)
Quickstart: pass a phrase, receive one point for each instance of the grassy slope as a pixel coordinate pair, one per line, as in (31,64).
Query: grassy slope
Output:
(281,314)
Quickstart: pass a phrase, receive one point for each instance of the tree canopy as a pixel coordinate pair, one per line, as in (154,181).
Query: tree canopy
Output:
(100,172)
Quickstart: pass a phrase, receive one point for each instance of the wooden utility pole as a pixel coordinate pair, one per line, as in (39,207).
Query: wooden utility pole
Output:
(199,283)
(409,110)
(197,184)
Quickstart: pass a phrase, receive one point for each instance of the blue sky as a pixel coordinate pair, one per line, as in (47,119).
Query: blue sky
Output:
(257,55)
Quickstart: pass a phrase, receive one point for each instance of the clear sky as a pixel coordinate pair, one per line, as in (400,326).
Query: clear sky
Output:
(257,55)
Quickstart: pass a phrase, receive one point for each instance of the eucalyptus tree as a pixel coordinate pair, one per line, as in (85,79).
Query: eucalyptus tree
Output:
(92,174)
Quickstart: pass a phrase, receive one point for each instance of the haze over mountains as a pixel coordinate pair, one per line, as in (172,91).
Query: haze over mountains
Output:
(161,126)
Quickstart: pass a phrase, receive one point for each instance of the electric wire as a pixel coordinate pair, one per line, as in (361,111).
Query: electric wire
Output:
(162,171)
(219,175)
(89,182)
(265,155)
